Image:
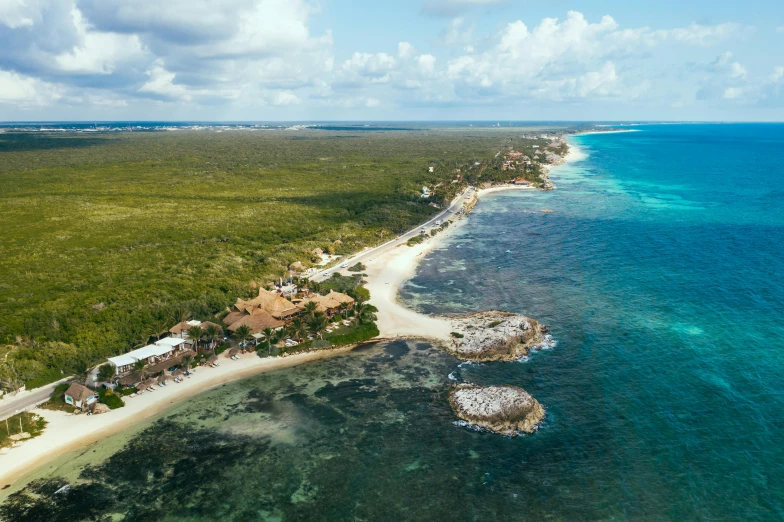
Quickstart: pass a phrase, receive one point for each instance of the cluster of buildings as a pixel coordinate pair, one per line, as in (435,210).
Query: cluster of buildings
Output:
(513,160)
(272,310)
(268,310)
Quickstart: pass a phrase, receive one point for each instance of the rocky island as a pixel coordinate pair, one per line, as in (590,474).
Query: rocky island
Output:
(506,410)
(494,336)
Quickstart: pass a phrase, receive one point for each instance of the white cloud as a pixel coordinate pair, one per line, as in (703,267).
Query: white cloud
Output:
(285,98)
(426,63)
(702,34)
(405,50)
(737,71)
(19,13)
(161,83)
(457,33)
(25,91)
(97,52)
(253,53)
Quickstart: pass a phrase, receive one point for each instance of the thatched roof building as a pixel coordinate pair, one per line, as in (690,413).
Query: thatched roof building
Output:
(271,302)
(331,302)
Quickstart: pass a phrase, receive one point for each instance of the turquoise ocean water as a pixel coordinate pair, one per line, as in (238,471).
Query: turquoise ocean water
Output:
(661,272)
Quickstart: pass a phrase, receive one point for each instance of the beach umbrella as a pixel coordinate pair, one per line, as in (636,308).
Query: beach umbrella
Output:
(234,351)
(213,359)
(163,378)
(177,373)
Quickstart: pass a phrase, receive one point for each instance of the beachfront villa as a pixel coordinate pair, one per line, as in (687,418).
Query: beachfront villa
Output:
(80,396)
(272,303)
(160,351)
(330,304)
(258,320)
(180,330)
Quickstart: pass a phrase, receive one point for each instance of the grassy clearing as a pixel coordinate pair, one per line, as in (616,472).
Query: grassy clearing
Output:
(30,423)
(57,401)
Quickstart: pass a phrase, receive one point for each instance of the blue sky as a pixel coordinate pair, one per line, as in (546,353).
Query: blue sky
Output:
(406,60)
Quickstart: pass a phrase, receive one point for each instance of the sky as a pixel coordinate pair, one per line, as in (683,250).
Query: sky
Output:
(311,60)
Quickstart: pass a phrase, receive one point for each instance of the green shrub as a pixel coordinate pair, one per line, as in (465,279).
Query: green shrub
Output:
(362,332)
(318,344)
(415,240)
(457,335)
(359,267)
(111,399)
(49,376)
(494,324)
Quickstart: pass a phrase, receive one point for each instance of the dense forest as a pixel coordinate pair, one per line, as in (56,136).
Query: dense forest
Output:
(109,238)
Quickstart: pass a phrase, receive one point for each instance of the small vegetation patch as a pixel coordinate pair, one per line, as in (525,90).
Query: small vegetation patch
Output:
(494,324)
(354,334)
(19,424)
(359,267)
(457,335)
(57,401)
(111,399)
(415,240)
(127,391)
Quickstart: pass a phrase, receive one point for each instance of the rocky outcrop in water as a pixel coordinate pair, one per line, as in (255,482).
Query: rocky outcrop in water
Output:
(507,410)
(494,336)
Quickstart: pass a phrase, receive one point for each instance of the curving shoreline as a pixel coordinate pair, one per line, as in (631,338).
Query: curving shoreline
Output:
(385,275)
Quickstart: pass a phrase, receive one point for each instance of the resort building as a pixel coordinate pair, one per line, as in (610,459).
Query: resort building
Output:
(180,330)
(162,350)
(332,303)
(273,303)
(80,396)
(258,321)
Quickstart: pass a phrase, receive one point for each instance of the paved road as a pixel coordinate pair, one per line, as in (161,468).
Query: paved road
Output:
(367,255)
(26,400)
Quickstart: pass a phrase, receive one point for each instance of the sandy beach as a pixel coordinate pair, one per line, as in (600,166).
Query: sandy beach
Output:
(385,275)
(66,432)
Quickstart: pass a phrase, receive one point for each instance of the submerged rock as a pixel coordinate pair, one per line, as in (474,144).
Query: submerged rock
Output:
(494,336)
(507,410)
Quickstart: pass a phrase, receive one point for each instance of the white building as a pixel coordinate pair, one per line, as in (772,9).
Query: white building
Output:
(150,354)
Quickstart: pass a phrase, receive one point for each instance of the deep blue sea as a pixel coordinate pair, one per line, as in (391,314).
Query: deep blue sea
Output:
(660,269)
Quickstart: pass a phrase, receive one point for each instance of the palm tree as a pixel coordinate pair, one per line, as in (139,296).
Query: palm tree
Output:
(158,329)
(297,327)
(363,313)
(141,368)
(310,308)
(195,333)
(242,333)
(268,333)
(344,308)
(180,314)
(317,324)
(212,334)
(81,370)
(186,362)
